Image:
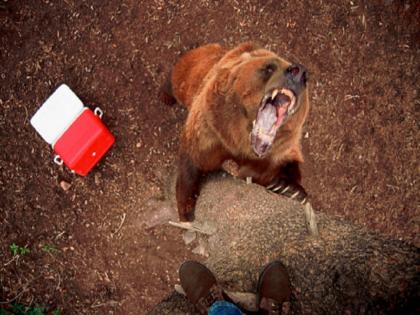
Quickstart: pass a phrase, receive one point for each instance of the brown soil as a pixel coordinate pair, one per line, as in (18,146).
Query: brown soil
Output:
(361,139)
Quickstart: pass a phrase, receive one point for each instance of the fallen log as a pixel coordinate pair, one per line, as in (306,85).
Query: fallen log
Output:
(344,270)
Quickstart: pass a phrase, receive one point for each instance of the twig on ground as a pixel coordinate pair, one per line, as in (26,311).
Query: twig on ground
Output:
(23,289)
(16,257)
(15,298)
(189,226)
(120,226)
(59,282)
(110,303)
(59,235)
(349,97)
(26,114)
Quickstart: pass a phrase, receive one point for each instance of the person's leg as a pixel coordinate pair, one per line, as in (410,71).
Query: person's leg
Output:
(273,288)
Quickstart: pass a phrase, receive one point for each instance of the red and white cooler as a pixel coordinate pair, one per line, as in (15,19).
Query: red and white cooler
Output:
(76,134)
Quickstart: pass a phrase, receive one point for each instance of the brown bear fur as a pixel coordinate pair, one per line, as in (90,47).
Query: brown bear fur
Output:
(222,90)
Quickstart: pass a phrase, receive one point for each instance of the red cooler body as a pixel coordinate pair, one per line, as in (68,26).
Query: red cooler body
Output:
(84,143)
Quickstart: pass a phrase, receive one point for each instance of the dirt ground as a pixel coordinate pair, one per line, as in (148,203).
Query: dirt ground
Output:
(90,252)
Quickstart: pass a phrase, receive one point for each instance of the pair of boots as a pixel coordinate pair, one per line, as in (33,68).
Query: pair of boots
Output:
(202,289)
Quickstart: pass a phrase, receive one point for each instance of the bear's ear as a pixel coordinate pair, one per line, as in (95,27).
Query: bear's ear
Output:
(222,82)
(238,51)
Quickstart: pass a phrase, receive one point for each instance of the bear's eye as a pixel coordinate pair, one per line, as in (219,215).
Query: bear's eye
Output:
(268,70)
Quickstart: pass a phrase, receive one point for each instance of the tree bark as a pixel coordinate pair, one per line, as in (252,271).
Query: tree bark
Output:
(344,270)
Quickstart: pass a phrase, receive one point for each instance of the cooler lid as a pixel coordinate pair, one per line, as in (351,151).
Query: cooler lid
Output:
(57,113)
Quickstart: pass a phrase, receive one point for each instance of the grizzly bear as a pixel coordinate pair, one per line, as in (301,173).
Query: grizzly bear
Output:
(246,104)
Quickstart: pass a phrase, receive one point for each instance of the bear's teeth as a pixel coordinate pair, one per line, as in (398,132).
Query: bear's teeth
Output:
(273,95)
(290,110)
(253,123)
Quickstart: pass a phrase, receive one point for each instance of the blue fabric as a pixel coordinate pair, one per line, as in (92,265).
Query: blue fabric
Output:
(224,308)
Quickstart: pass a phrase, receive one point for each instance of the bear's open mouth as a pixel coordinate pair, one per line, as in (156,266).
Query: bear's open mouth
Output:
(276,106)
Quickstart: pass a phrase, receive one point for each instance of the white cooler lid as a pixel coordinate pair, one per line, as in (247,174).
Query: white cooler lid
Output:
(57,113)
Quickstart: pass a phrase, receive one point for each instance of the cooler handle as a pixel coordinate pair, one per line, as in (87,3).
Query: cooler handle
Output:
(98,112)
(58,160)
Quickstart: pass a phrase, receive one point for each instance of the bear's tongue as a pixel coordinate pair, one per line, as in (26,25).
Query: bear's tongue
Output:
(270,117)
(281,114)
